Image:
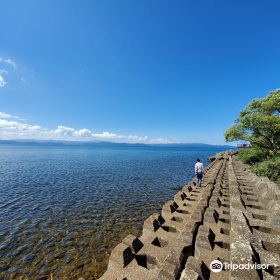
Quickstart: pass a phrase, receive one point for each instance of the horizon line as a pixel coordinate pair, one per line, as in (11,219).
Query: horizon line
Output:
(102,141)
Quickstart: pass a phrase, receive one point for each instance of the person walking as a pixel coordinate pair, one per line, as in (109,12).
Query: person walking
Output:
(198,170)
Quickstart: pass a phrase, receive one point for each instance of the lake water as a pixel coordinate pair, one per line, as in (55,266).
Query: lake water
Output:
(63,209)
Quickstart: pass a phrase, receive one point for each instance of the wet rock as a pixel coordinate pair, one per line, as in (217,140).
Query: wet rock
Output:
(42,278)
(65,270)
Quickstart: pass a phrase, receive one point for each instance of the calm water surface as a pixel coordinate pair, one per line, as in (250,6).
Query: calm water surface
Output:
(63,209)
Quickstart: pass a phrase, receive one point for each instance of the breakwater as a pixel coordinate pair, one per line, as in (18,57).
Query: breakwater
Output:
(232,218)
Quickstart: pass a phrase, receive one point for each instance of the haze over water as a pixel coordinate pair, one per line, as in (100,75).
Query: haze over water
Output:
(63,209)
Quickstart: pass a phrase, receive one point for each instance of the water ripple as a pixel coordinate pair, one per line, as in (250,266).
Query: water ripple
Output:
(63,210)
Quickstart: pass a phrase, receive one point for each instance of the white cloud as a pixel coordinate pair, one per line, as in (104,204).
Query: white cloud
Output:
(106,135)
(161,141)
(83,133)
(19,130)
(63,130)
(23,79)
(2,80)
(10,62)
(12,125)
(4,115)
(136,137)
(1,58)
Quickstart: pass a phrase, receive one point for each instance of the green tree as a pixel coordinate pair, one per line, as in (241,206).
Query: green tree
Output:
(259,124)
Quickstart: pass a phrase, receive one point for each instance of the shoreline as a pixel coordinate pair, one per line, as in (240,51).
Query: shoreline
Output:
(229,217)
(71,208)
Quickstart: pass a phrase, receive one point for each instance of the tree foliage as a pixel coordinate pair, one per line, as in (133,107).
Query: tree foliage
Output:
(259,124)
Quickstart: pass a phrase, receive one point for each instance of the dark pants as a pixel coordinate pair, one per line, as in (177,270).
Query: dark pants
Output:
(198,179)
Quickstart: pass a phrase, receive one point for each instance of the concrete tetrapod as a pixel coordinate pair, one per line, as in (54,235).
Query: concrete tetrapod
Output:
(232,218)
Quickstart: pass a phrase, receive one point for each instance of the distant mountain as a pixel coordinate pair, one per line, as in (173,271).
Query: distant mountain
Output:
(26,142)
(8,142)
(196,145)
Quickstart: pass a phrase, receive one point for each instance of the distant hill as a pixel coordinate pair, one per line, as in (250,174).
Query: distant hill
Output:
(26,142)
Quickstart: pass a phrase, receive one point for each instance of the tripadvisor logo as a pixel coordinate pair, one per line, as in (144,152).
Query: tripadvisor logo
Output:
(217,266)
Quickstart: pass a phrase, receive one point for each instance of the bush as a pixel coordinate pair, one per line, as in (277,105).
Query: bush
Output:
(268,168)
(252,155)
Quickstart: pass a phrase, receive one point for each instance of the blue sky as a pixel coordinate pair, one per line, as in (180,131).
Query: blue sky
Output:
(134,71)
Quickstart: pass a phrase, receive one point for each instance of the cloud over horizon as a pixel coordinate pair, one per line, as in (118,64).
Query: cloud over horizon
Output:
(11,130)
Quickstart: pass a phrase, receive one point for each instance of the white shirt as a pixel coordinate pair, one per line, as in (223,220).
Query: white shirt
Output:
(198,167)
